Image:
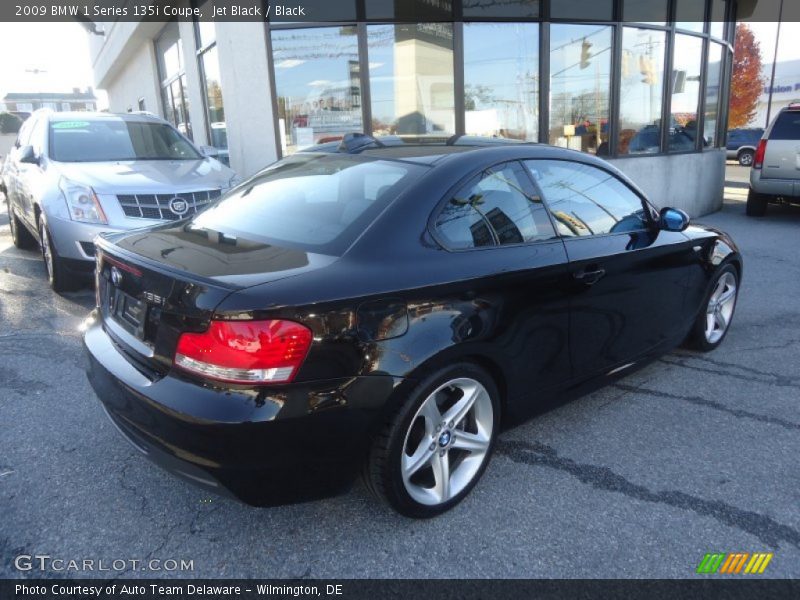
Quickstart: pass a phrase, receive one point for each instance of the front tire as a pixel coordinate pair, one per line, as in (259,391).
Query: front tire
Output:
(57,275)
(756,204)
(436,446)
(714,320)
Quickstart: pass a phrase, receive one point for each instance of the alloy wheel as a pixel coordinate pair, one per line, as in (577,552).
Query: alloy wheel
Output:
(746,159)
(447,441)
(720,307)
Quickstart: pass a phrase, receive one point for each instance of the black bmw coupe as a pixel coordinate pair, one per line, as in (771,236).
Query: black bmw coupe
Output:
(383,308)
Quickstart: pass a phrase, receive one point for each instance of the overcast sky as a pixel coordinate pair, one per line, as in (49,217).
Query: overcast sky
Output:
(61,50)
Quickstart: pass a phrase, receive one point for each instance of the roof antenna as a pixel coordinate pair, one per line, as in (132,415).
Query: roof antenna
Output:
(353,143)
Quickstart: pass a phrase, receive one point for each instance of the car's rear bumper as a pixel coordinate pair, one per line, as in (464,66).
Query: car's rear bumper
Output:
(773,186)
(264,446)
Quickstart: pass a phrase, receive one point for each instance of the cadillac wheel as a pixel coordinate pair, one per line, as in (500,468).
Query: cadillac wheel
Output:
(436,447)
(53,263)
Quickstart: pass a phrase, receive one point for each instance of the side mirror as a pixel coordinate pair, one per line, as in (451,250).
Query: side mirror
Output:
(673,219)
(28,156)
(209,151)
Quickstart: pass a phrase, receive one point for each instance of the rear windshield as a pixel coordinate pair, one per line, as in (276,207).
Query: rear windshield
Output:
(110,139)
(787,126)
(314,202)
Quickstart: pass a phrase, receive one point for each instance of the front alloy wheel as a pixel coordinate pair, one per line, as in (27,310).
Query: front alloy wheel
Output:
(714,321)
(54,265)
(719,310)
(436,447)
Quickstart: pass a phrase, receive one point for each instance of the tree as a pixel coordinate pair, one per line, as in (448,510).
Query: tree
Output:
(746,80)
(9,123)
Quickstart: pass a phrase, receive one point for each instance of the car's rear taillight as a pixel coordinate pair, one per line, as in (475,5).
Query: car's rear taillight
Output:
(758,160)
(245,351)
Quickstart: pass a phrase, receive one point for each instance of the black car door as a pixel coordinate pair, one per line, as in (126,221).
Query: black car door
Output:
(511,268)
(628,278)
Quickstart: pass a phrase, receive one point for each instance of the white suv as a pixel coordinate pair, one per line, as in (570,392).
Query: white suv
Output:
(775,176)
(71,176)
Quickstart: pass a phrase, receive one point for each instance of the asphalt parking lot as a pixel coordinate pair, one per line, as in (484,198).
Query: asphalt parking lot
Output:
(689,455)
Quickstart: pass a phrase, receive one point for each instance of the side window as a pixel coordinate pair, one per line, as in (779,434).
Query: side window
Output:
(495,208)
(586,200)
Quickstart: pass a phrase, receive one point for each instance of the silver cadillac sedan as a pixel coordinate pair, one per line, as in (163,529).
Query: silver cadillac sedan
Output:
(71,176)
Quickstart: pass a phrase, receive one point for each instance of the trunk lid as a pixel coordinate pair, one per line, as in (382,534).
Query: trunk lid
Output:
(154,284)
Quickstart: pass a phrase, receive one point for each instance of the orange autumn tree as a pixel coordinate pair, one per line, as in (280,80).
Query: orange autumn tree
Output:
(746,80)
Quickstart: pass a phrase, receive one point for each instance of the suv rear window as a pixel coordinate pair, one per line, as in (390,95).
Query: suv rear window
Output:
(313,202)
(787,126)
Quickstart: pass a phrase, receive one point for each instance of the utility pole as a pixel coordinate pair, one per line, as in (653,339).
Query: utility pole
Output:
(774,60)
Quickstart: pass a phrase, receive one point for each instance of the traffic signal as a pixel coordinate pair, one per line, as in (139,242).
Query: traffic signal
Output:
(648,69)
(585,53)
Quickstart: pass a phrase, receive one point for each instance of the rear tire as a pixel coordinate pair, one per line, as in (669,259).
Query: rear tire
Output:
(57,275)
(756,204)
(719,305)
(20,235)
(434,448)
(746,157)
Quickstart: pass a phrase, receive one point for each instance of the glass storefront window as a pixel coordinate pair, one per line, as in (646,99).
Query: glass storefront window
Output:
(411,78)
(718,17)
(206,33)
(690,14)
(476,9)
(501,79)
(590,10)
(217,128)
(177,105)
(687,62)
(317,85)
(409,10)
(580,75)
(641,91)
(712,95)
(173,79)
(645,11)
(170,53)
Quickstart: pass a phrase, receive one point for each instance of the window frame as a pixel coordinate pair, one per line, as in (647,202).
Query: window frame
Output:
(473,178)
(649,209)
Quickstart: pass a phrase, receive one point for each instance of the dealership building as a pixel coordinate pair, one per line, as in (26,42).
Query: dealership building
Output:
(643,83)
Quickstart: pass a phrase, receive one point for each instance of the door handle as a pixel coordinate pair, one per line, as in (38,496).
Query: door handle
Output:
(589,277)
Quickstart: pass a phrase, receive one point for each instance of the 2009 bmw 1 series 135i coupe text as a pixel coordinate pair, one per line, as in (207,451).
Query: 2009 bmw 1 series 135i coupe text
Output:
(382,307)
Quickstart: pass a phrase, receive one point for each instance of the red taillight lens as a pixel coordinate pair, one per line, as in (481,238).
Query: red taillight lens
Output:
(245,351)
(758,160)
